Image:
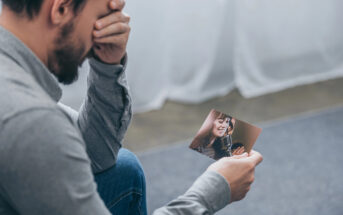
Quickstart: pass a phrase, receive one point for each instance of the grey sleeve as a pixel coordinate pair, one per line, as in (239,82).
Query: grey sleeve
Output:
(209,193)
(46,168)
(105,114)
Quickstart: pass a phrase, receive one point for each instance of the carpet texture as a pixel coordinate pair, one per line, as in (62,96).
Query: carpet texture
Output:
(302,171)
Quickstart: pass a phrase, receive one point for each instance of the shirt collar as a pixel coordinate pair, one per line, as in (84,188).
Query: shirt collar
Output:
(13,48)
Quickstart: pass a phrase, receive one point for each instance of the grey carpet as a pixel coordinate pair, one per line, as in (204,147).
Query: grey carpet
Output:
(302,171)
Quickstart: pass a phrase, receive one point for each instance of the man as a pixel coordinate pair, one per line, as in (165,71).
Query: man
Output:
(54,160)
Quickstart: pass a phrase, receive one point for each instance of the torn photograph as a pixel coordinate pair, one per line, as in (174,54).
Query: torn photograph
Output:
(222,135)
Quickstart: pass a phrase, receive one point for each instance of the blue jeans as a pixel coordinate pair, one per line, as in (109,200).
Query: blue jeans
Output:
(122,187)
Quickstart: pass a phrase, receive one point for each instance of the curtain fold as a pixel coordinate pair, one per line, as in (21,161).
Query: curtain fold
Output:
(282,44)
(194,50)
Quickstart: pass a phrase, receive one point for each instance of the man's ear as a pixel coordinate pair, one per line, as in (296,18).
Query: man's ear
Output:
(61,10)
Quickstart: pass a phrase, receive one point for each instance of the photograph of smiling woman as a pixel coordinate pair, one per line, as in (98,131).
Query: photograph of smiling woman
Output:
(214,137)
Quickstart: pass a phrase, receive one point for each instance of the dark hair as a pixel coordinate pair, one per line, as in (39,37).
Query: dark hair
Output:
(222,116)
(32,7)
(220,148)
(236,145)
(230,123)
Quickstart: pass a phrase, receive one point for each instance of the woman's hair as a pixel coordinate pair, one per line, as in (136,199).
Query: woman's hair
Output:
(231,124)
(236,145)
(222,116)
(205,133)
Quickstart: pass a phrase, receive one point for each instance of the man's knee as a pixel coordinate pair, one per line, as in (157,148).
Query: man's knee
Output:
(123,185)
(129,166)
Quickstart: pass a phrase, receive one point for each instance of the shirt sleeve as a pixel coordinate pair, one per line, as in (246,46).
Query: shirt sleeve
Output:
(105,114)
(209,193)
(46,169)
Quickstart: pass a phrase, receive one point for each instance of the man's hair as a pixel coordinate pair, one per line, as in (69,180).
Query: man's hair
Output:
(32,7)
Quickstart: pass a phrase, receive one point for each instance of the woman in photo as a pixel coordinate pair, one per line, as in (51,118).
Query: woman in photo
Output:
(214,139)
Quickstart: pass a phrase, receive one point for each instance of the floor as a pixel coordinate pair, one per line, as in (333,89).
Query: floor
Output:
(178,122)
(295,176)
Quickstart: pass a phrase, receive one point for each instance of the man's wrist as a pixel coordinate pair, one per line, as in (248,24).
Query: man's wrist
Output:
(108,70)
(212,190)
(122,60)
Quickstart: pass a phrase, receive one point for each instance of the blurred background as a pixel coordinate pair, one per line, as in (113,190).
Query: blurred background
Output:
(274,63)
(258,60)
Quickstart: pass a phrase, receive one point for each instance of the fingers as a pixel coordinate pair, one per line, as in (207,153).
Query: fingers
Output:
(113,28)
(111,33)
(241,150)
(115,39)
(118,28)
(117,4)
(111,19)
(255,157)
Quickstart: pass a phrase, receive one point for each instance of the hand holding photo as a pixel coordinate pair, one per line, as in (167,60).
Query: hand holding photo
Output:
(222,135)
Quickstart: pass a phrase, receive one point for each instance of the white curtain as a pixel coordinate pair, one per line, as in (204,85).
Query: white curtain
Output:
(192,50)
(284,43)
(180,50)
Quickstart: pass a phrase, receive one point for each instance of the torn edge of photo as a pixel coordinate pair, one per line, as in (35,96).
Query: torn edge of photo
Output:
(222,135)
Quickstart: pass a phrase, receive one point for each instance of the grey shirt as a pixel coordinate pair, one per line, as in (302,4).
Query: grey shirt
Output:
(49,152)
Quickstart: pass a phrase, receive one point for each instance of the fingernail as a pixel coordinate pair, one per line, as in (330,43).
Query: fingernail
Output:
(99,24)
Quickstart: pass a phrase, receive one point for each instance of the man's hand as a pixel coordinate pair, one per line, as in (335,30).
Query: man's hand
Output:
(111,34)
(238,171)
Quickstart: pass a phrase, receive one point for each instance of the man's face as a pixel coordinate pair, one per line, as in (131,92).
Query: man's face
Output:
(74,41)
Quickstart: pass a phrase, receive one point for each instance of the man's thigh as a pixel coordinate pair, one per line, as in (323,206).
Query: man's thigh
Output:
(122,187)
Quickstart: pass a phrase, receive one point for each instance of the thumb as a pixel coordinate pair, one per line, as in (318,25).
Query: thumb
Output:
(255,157)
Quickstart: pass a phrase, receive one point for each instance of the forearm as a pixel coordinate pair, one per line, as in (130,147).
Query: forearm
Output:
(105,114)
(209,193)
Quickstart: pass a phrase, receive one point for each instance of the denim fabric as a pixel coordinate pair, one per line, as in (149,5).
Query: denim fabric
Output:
(122,187)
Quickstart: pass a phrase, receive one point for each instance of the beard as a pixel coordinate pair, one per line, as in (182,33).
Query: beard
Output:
(65,60)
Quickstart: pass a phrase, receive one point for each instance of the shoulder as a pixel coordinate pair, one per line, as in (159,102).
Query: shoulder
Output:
(39,135)
(38,122)
(21,96)
(19,90)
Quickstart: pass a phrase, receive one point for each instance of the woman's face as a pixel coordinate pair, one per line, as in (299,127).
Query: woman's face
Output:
(219,127)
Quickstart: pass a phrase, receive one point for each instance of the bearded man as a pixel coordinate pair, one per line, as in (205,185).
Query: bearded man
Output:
(54,160)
